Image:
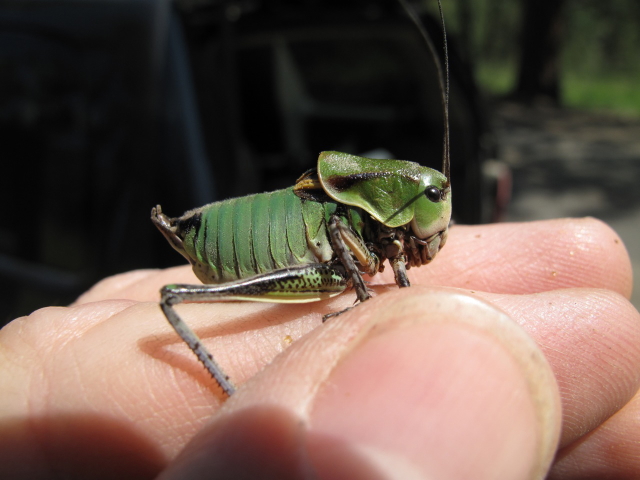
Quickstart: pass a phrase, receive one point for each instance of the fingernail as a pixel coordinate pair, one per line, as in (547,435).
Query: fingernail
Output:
(426,400)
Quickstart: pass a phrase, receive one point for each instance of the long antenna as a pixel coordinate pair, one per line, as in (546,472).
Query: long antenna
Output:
(443,78)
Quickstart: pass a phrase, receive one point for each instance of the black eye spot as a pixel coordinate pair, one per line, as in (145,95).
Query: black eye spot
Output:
(433,194)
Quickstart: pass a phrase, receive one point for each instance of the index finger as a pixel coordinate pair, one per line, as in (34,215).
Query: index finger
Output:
(530,257)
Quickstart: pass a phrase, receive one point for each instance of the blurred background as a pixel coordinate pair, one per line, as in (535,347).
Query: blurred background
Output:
(108,108)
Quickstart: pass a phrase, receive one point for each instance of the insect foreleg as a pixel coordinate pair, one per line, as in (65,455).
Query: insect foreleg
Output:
(400,272)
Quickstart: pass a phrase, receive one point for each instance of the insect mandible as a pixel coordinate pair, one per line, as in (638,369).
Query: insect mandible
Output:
(313,240)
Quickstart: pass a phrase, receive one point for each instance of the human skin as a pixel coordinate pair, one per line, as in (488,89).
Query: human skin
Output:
(517,344)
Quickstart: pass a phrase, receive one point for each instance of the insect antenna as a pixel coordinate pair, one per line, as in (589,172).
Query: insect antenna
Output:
(443,77)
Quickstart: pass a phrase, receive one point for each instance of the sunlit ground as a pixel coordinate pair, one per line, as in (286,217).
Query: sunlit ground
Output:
(574,163)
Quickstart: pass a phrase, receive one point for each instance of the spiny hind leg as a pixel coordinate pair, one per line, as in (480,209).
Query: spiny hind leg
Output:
(292,285)
(167,301)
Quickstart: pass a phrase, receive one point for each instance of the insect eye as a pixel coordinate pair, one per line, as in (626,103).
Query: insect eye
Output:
(433,194)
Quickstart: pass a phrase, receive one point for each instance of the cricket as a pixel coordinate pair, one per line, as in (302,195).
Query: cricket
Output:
(315,239)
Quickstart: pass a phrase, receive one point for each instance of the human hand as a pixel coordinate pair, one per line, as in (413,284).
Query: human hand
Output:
(415,383)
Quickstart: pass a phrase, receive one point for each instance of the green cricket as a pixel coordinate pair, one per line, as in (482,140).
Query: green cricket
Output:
(313,240)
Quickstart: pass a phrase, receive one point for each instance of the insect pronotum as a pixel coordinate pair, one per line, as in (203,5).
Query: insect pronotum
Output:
(345,217)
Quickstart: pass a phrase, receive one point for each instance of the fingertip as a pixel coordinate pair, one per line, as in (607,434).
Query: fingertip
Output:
(593,254)
(455,396)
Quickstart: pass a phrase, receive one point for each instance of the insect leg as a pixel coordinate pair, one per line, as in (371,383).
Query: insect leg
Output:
(300,284)
(400,272)
(168,300)
(340,236)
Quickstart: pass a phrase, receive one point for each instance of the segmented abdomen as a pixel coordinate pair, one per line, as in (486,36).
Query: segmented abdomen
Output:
(246,236)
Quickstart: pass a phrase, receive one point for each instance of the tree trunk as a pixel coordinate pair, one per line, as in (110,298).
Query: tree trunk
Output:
(539,77)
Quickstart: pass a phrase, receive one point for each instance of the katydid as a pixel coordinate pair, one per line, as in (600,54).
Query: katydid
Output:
(315,239)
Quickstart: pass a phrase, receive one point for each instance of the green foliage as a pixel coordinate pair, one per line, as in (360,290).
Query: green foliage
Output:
(602,37)
(496,78)
(619,93)
(601,45)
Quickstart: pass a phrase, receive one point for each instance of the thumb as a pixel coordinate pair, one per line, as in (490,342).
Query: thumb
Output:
(413,384)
